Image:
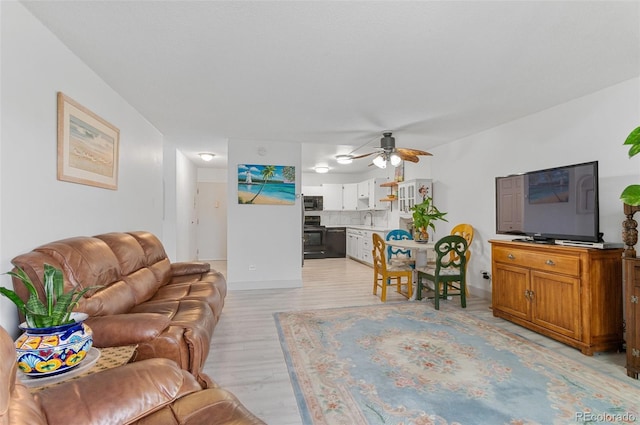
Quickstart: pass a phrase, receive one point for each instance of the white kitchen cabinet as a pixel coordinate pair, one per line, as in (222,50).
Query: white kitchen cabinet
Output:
(312,191)
(354,241)
(360,244)
(412,192)
(332,196)
(350,196)
(363,190)
(370,193)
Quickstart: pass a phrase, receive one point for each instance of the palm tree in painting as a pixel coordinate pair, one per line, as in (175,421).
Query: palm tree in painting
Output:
(267,173)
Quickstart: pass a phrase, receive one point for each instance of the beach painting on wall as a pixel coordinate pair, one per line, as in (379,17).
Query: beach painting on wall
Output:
(266,184)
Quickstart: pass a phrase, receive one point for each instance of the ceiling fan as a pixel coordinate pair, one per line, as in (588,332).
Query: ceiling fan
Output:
(389,153)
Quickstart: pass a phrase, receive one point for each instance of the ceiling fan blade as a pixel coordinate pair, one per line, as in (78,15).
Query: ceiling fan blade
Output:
(408,157)
(413,152)
(364,155)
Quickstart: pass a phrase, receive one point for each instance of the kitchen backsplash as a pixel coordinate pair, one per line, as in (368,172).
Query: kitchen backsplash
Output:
(337,218)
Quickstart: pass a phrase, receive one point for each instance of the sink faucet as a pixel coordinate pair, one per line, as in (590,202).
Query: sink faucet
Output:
(370,216)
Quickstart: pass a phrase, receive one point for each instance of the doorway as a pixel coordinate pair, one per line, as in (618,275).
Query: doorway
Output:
(212,221)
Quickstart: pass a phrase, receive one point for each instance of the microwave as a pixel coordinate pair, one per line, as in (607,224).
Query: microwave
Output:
(313,203)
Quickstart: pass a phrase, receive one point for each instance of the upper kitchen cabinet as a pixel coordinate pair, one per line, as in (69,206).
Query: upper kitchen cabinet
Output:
(350,196)
(332,193)
(370,194)
(412,192)
(312,191)
(361,196)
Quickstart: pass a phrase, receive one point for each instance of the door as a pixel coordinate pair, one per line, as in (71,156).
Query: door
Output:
(511,195)
(510,290)
(212,221)
(555,303)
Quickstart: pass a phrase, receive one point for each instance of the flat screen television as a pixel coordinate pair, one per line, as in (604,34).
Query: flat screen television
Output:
(558,203)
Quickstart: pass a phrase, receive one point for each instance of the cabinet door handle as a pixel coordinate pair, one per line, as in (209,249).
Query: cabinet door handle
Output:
(526,293)
(550,263)
(511,257)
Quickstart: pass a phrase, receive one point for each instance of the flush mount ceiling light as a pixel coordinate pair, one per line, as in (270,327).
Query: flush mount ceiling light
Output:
(206,156)
(321,169)
(344,159)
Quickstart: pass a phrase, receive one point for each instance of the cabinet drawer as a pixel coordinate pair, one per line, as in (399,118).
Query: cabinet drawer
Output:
(551,262)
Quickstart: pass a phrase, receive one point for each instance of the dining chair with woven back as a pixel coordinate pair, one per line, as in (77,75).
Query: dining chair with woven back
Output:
(448,272)
(383,272)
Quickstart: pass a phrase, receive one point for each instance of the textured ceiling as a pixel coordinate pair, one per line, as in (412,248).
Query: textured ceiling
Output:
(334,75)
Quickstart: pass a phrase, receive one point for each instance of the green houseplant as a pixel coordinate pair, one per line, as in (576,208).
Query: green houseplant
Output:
(424,216)
(54,339)
(631,194)
(57,307)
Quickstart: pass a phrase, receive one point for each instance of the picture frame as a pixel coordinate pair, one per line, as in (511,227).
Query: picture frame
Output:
(266,184)
(88,146)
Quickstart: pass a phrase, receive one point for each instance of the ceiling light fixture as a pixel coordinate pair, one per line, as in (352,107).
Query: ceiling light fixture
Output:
(344,159)
(207,156)
(381,160)
(322,169)
(395,159)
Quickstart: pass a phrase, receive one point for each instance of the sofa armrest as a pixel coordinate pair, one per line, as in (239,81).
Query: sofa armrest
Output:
(189,267)
(126,329)
(120,395)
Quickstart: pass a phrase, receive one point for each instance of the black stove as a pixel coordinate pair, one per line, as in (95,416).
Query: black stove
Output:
(314,237)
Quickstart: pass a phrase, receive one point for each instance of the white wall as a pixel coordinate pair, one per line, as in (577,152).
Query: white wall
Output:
(268,237)
(186,184)
(35,207)
(589,128)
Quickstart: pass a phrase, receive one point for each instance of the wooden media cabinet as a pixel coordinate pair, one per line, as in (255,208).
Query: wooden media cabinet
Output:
(571,294)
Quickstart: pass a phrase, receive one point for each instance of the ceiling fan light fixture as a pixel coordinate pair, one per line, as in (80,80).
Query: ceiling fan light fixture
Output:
(380,161)
(344,159)
(321,169)
(206,156)
(395,159)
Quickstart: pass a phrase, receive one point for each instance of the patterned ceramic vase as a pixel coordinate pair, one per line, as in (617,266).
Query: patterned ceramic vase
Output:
(47,351)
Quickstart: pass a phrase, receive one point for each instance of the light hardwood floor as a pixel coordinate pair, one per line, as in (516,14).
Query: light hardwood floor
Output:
(246,357)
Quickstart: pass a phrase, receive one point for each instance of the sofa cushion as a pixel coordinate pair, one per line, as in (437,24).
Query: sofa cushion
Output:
(187,338)
(127,250)
(85,261)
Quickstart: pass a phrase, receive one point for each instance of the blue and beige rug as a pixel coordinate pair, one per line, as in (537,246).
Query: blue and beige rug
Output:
(409,364)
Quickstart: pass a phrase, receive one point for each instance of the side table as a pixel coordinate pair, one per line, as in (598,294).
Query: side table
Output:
(110,357)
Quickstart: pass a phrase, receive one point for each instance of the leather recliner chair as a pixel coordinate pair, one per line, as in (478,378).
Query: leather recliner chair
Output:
(154,391)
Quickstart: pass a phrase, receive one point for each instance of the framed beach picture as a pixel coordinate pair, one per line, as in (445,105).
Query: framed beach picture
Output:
(87,146)
(266,184)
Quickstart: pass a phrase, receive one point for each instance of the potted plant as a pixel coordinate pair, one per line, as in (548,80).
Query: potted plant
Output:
(631,194)
(54,338)
(424,215)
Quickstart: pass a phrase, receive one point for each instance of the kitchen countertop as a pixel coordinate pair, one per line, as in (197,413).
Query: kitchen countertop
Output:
(361,227)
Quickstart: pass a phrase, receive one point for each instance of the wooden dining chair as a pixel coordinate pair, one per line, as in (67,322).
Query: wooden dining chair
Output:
(466,231)
(397,255)
(447,275)
(383,273)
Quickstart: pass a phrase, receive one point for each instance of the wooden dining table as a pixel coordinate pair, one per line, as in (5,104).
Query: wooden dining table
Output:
(420,249)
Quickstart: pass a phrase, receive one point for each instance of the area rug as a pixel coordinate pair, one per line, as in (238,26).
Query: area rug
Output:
(406,363)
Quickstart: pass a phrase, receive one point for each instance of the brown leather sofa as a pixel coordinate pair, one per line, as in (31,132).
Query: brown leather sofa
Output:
(154,391)
(168,309)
